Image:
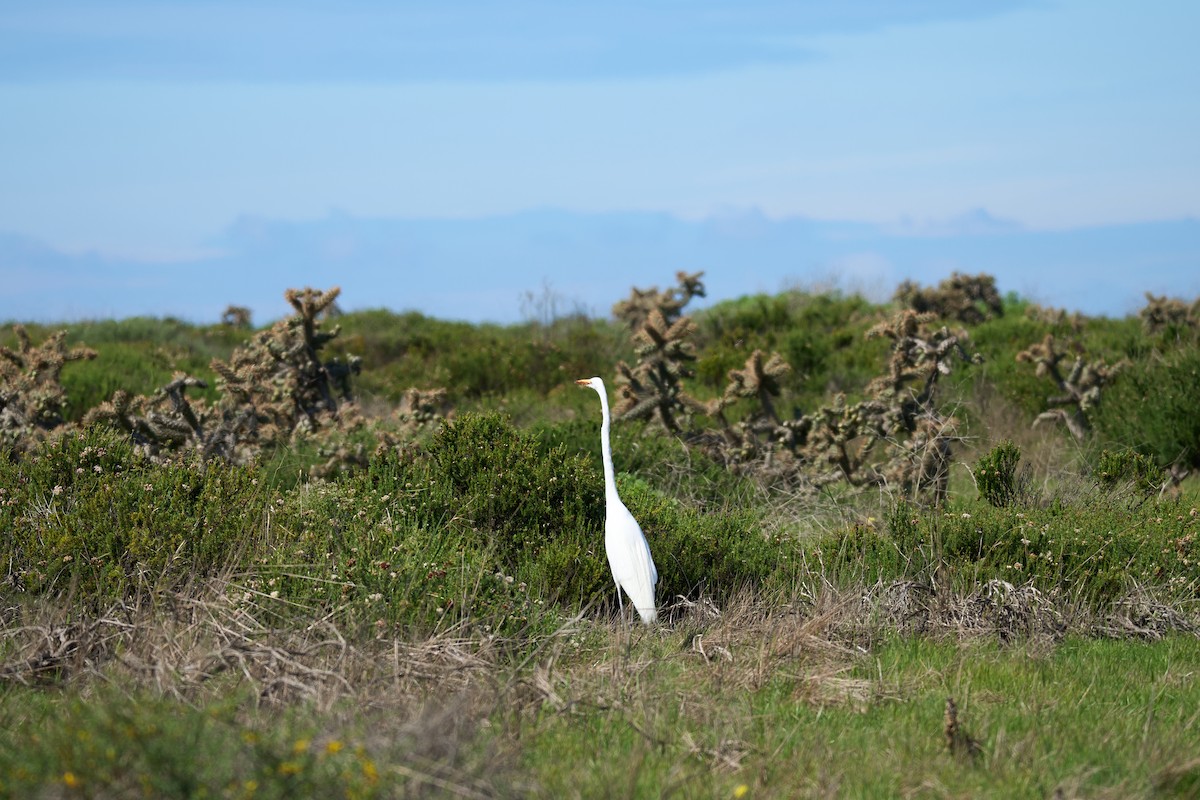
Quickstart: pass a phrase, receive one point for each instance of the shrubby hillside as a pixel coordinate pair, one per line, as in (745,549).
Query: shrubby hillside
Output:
(281,522)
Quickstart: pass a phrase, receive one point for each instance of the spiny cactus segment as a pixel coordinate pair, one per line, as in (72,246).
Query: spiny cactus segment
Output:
(1080,385)
(969,299)
(32,399)
(635,310)
(1170,315)
(653,388)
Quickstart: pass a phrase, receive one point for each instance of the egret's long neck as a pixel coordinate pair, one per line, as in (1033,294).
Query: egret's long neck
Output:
(610,479)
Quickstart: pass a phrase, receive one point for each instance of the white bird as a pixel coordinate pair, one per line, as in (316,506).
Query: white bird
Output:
(628,551)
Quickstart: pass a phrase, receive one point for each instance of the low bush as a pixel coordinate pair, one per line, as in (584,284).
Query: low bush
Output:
(1093,553)
(1128,472)
(89,514)
(1151,408)
(996,474)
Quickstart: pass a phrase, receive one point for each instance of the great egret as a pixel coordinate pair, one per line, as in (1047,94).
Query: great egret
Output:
(628,551)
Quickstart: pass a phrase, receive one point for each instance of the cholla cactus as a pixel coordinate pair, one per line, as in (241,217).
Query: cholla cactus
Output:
(653,387)
(272,388)
(637,308)
(163,423)
(919,356)
(423,408)
(32,399)
(279,374)
(236,317)
(1056,317)
(920,433)
(760,433)
(1081,385)
(758,379)
(1170,315)
(842,439)
(969,299)
(898,435)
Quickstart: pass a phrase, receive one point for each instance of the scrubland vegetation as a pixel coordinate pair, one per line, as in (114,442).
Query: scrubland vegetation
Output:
(940,547)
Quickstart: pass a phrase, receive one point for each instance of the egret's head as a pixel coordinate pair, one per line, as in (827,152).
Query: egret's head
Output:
(592,383)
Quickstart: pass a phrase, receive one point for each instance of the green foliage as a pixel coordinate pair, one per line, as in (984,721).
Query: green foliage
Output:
(819,335)
(485,473)
(711,555)
(1152,408)
(89,514)
(1130,471)
(537,513)
(1013,383)
(147,745)
(996,474)
(140,354)
(476,361)
(1094,552)
(664,462)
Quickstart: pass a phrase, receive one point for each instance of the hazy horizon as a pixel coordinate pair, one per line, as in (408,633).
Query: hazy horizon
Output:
(152,148)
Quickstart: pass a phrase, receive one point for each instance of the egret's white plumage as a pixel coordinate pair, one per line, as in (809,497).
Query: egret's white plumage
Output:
(628,551)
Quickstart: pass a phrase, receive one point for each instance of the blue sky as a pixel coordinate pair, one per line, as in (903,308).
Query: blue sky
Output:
(146,142)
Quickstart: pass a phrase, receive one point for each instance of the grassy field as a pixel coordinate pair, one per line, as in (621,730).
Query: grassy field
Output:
(417,604)
(753,700)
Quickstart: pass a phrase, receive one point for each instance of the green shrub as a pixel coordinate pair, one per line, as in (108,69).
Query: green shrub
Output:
(467,525)
(140,354)
(1129,472)
(819,335)
(1152,408)
(996,474)
(89,513)
(110,743)
(705,554)
(476,361)
(490,524)
(1093,552)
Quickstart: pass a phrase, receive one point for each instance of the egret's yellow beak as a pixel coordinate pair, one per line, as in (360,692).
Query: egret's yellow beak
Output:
(584,382)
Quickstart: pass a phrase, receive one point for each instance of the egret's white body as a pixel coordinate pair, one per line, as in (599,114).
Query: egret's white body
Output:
(628,551)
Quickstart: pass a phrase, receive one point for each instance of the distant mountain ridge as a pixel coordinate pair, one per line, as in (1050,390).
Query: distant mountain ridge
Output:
(478,269)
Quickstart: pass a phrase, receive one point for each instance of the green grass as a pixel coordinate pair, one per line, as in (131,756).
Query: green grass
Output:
(1083,715)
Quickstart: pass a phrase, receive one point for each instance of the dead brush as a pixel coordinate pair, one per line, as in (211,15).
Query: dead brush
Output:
(44,651)
(1144,614)
(214,633)
(755,640)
